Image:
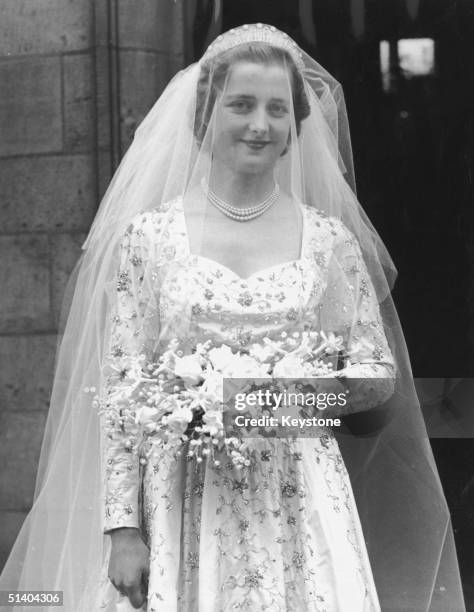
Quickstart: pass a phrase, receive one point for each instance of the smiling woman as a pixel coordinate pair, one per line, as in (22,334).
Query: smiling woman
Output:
(231,245)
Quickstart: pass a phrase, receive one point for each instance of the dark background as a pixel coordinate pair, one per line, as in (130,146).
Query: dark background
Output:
(413,153)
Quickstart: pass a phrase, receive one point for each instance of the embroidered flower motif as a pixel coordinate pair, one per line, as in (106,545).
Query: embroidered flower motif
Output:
(244,525)
(117,351)
(208,294)
(298,559)
(288,489)
(245,299)
(292,314)
(378,353)
(197,309)
(265,455)
(319,258)
(123,281)
(135,260)
(253,579)
(364,288)
(239,485)
(193,560)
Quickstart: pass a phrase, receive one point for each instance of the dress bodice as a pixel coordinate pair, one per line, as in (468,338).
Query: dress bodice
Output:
(226,308)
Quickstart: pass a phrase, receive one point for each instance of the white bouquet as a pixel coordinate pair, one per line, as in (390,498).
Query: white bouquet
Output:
(180,401)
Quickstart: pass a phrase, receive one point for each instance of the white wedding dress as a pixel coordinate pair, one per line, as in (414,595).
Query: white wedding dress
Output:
(284,536)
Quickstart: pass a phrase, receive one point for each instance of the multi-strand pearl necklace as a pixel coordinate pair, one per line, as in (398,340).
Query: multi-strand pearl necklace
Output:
(241,214)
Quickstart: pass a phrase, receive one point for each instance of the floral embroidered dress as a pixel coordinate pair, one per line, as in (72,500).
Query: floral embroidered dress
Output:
(283,536)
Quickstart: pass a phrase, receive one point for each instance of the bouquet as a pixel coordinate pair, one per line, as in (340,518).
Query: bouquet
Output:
(180,400)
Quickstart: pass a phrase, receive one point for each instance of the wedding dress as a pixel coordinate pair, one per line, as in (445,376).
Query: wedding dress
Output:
(285,535)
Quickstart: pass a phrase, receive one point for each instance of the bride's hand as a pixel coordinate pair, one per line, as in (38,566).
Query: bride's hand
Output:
(129,565)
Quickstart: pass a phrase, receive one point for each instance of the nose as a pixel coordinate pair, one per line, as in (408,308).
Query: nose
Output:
(259,120)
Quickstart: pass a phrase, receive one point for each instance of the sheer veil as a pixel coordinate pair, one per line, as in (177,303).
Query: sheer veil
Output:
(401,504)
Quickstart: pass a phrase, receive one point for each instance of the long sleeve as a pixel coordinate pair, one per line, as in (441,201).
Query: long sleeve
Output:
(350,308)
(131,341)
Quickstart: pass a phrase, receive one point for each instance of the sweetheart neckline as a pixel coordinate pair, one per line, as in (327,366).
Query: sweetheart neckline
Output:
(262,271)
(247,279)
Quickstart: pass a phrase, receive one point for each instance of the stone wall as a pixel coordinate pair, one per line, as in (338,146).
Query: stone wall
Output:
(77,77)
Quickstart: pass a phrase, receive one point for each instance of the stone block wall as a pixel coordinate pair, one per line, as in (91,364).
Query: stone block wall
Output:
(47,201)
(76,79)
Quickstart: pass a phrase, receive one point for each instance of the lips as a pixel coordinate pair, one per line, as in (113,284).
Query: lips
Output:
(256,144)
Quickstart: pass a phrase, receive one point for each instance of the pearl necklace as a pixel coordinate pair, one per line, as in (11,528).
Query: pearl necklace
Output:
(241,214)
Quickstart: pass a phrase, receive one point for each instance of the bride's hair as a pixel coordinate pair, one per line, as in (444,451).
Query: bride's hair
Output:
(214,72)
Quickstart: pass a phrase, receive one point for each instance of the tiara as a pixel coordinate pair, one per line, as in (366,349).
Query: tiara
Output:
(256,32)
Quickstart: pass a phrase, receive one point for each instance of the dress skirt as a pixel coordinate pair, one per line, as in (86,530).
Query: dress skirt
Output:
(281,536)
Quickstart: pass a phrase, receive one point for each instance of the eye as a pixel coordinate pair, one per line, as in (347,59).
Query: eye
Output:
(278,109)
(241,106)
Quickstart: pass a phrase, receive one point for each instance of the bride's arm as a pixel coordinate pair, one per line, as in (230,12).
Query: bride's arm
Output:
(132,334)
(350,308)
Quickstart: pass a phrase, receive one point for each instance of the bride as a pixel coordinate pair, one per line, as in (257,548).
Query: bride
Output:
(233,220)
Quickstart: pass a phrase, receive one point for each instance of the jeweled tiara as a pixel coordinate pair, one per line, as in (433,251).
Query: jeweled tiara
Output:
(255,32)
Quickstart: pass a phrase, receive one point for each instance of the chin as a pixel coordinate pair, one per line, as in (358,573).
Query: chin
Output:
(254,165)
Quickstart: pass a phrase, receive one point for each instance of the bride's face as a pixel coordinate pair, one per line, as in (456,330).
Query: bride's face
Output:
(253,117)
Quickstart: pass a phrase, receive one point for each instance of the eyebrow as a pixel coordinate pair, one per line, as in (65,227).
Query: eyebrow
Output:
(250,97)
